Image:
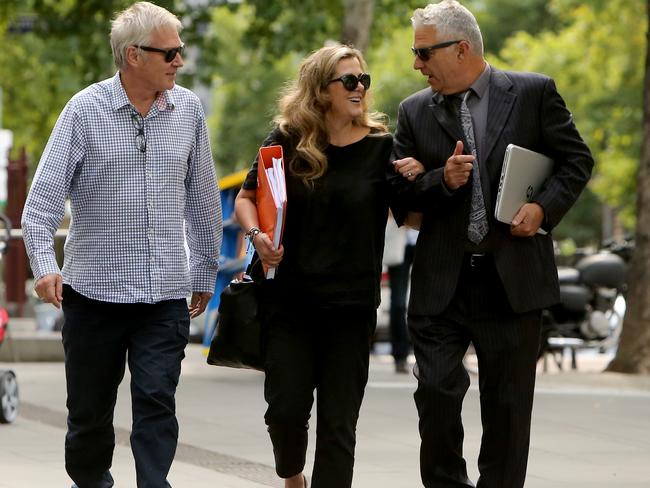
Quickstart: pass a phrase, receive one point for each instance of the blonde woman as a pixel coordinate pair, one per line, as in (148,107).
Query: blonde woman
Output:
(319,312)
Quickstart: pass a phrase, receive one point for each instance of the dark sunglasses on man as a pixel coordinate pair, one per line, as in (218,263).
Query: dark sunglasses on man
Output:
(424,53)
(350,81)
(170,54)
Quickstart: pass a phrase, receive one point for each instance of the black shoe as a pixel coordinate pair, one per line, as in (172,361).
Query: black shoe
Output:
(402,367)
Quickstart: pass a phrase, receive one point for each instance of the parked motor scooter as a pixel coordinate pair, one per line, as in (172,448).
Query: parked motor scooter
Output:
(591,309)
(8,383)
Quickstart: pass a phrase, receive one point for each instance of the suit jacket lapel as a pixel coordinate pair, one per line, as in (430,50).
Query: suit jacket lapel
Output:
(500,106)
(499,109)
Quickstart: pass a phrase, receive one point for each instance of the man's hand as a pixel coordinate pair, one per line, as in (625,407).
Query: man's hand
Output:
(458,168)
(528,220)
(199,302)
(49,288)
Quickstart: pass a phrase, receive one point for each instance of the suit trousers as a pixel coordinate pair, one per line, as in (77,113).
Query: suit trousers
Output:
(506,345)
(98,339)
(326,349)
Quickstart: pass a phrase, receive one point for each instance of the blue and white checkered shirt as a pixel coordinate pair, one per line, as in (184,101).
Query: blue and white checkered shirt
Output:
(130,207)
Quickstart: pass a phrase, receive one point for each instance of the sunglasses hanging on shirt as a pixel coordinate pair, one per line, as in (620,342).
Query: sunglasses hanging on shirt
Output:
(140,137)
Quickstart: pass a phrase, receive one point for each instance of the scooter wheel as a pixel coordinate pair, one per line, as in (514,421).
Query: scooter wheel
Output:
(8,397)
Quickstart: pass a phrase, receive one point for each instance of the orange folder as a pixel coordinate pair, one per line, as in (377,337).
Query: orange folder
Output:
(271,196)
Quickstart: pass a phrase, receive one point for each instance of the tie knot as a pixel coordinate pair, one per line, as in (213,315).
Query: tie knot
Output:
(454,102)
(457,99)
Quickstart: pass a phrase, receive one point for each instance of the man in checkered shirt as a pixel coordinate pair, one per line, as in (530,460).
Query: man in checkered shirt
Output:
(132,155)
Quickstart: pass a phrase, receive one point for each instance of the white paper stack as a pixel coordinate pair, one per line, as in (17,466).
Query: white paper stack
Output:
(277,182)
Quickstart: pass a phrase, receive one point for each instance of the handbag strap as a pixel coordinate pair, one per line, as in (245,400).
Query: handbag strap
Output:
(254,270)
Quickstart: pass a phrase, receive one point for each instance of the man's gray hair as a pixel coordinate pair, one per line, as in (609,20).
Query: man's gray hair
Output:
(135,25)
(452,21)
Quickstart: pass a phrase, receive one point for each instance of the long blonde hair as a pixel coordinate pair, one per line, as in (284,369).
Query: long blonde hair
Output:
(302,109)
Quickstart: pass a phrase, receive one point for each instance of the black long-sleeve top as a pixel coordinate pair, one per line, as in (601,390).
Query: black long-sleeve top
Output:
(334,232)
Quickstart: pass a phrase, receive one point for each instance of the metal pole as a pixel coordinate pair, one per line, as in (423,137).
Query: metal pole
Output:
(15,265)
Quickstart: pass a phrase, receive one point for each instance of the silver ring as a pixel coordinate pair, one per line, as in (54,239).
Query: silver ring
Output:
(409,174)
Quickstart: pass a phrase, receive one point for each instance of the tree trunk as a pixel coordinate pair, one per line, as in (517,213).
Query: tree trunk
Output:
(633,354)
(357,22)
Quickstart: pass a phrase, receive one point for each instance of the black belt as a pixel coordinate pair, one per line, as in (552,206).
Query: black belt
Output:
(476,259)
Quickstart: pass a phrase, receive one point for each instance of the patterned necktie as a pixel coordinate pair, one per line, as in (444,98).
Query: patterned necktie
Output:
(478,223)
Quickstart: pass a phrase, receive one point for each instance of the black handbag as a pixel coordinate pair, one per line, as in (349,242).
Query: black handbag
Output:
(237,338)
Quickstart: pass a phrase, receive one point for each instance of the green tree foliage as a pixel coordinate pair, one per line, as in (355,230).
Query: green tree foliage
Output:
(500,19)
(244,52)
(278,27)
(267,40)
(286,25)
(246,83)
(38,77)
(596,63)
(393,76)
(54,48)
(260,46)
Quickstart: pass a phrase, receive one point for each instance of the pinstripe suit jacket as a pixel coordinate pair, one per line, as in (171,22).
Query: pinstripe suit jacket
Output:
(524,109)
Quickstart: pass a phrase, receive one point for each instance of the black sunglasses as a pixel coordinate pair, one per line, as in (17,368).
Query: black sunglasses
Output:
(170,54)
(424,53)
(350,81)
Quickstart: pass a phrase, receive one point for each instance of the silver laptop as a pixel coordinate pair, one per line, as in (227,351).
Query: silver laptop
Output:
(523,173)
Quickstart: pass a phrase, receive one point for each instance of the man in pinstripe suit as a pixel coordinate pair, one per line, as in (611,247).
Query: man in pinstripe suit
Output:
(475,279)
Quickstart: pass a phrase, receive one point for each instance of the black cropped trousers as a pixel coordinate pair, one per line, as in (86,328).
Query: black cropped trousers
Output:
(321,349)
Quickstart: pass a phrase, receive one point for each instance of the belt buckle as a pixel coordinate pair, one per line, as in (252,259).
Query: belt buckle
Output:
(475,259)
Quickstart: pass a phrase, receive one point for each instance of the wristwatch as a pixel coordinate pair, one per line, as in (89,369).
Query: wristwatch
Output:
(252,233)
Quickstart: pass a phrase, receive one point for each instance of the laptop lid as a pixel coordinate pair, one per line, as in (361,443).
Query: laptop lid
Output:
(523,173)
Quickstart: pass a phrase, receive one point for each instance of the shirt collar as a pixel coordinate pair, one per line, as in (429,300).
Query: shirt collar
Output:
(479,87)
(164,100)
(119,94)
(481,84)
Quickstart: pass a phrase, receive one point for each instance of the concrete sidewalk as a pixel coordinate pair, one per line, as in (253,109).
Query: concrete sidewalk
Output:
(589,430)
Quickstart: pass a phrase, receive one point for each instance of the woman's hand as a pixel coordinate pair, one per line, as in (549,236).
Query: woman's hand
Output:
(246,212)
(268,254)
(409,168)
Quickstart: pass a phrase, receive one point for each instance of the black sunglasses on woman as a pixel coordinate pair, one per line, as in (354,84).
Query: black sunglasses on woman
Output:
(350,81)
